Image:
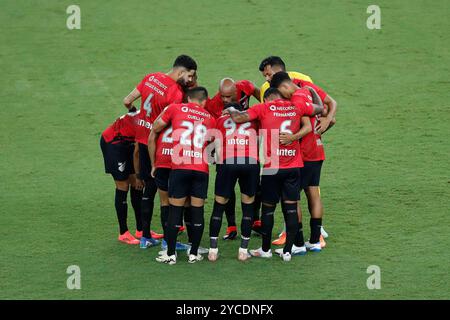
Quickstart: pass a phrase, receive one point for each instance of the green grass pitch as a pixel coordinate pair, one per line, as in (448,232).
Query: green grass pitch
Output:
(385,183)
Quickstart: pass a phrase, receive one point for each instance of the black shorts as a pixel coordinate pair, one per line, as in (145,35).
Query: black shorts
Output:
(145,165)
(185,183)
(162,178)
(284,185)
(118,158)
(228,174)
(311,174)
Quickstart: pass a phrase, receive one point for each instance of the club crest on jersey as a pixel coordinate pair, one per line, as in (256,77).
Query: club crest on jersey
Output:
(122,166)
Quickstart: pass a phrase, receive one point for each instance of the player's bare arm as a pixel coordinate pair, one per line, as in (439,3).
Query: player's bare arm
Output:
(257,93)
(130,98)
(288,138)
(236,115)
(329,119)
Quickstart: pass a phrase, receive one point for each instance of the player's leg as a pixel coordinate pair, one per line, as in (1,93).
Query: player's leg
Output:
(115,159)
(136,199)
(179,187)
(230,213)
(248,183)
(162,183)
(198,193)
(148,196)
(315,206)
(270,196)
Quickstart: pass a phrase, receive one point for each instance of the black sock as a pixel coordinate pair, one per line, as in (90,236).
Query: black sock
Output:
(188,222)
(247,217)
(136,198)
(174,221)
(256,207)
(120,202)
(215,223)
(315,224)
(299,240)
(267,226)
(148,197)
(291,220)
(230,210)
(164,218)
(198,225)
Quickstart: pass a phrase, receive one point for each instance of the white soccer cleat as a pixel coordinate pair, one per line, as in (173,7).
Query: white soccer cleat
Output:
(243,254)
(323,232)
(286,257)
(195,258)
(314,247)
(162,252)
(295,251)
(213,254)
(167,259)
(260,253)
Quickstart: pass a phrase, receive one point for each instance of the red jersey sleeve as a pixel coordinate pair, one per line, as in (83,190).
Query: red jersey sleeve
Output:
(247,86)
(322,94)
(167,114)
(306,108)
(255,112)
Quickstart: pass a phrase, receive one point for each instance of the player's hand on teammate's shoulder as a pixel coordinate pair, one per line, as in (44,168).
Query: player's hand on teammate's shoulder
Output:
(286,138)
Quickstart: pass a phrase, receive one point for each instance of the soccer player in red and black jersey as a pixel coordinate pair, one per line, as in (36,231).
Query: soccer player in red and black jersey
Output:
(237,153)
(156,90)
(240,92)
(281,179)
(189,175)
(311,146)
(117,144)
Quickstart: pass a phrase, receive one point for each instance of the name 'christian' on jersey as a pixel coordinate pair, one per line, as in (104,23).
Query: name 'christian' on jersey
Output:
(237,140)
(190,125)
(157,90)
(276,117)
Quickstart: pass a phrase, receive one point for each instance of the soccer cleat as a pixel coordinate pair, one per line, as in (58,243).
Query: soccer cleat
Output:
(281,240)
(181,229)
(256,227)
(323,232)
(128,238)
(148,242)
(202,250)
(260,253)
(323,244)
(243,254)
(195,258)
(286,257)
(295,251)
(156,235)
(138,234)
(213,254)
(231,233)
(314,247)
(179,246)
(167,259)
(162,252)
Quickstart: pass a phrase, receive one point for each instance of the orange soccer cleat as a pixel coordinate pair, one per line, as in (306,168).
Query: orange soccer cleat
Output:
(181,230)
(138,234)
(128,238)
(231,233)
(281,240)
(156,235)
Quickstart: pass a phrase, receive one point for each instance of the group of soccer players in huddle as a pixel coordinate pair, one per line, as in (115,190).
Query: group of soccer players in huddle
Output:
(167,145)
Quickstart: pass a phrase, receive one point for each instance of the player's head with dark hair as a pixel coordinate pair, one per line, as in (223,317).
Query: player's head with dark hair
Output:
(184,69)
(283,83)
(197,95)
(271,65)
(272,94)
(235,105)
